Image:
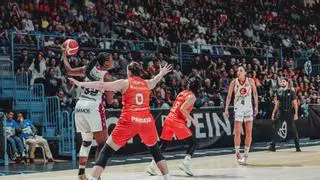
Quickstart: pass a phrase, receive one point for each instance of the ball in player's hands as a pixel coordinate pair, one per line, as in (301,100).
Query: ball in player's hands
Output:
(71,47)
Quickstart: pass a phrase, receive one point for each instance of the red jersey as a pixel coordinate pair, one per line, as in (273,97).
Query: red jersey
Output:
(181,98)
(137,96)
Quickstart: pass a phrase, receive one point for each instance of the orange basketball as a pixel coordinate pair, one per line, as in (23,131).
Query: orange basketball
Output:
(71,46)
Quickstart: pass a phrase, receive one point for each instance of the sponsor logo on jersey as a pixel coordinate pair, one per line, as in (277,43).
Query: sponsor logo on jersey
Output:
(141,120)
(83,110)
(243,91)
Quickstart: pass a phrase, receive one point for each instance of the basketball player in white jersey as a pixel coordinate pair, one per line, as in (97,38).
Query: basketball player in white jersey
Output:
(89,111)
(243,89)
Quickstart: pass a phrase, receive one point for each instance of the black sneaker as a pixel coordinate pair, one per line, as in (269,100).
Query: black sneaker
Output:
(298,149)
(272,148)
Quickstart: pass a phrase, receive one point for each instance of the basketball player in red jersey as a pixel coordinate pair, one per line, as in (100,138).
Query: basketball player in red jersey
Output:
(176,124)
(135,117)
(89,111)
(243,89)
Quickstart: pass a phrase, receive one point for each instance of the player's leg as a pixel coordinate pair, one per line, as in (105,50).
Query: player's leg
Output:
(293,128)
(101,138)
(106,152)
(248,140)
(83,127)
(166,135)
(237,136)
(119,137)
(84,153)
(275,127)
(184,133)
(149,137)
(165,139)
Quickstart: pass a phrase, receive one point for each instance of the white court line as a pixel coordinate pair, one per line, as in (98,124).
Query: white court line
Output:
(133,159)
(118,160)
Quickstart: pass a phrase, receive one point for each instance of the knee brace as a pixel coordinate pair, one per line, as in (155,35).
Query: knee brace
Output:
(86,144)
(156,154)
(105,153)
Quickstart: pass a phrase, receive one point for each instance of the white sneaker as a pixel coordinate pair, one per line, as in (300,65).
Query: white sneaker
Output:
(243,161)
(238,156)
(151,170)
(185,167)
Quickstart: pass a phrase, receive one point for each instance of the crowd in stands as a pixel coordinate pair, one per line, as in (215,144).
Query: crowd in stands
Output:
(291,25)
(272,24)
(215,74)
(22,139)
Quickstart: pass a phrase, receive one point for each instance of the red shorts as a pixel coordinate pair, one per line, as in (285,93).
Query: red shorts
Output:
(130,125)
(176,127)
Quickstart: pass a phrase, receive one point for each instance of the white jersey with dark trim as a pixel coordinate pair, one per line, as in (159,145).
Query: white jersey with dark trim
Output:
(242,94)
(97,74)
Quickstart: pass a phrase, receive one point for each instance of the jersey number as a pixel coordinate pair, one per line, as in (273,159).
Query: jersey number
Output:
(92,92)
(139,99)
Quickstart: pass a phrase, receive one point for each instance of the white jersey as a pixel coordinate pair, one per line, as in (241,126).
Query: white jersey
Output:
(93,94)
(242,94)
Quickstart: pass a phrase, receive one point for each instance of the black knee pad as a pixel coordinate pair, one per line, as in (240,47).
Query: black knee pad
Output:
(155,152)
(105,153)
(86,143)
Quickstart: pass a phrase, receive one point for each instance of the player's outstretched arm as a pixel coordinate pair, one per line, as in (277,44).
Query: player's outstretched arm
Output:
(80,71)
(228,100)
(119,85)
(191,99)
(163,71)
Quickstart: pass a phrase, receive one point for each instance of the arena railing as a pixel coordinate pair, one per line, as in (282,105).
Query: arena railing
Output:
(53,42)
(316,69)
(67,135)
(52,116)
(188,51)
(4,139)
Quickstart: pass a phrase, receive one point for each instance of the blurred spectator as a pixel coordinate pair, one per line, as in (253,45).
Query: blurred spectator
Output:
(52,84)
(27,131)
(65,101)
(37,68)
(14,140)
(24,60)
(202,100)
(56,67)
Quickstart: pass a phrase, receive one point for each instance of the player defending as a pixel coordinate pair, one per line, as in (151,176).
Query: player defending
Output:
(135,117)
(243,88)
(89,111)
(176,124)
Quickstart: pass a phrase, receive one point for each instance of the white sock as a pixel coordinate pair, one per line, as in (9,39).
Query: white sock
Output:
(153,163)
(237,149)
(92,178)
(246,150)
(166,177)
(187,157)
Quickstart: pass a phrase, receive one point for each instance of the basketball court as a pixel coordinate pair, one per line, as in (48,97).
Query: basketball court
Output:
(283,164)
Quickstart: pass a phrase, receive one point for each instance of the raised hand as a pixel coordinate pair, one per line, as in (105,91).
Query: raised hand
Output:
(166,69)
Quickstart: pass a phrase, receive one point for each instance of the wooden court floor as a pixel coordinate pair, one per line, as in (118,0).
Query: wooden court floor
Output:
(283,164)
